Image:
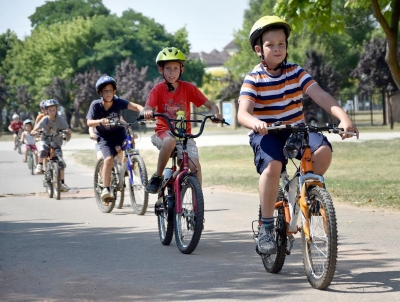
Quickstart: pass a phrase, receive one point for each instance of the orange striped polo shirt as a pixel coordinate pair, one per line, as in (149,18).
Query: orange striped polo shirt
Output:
(276,98)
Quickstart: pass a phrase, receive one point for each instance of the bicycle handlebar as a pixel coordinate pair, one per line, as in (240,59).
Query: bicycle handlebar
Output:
(184,134)
(309,128)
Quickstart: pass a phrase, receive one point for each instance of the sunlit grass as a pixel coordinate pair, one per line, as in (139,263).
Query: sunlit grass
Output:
(365,174)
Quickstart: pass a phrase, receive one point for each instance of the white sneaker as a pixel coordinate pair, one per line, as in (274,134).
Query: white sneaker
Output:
(105,195)
(39,169)
(64,188)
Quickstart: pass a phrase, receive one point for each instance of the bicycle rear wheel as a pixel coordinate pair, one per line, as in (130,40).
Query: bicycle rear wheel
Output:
(105,207)
(139,196)
(320,253)
(56,181)
(165,218)
(189,223)
(273,263)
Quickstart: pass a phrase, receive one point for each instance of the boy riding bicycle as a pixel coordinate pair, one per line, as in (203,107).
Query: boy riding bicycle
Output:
(101,113)
(272,92)
(51,124)
(169,97)
(16,128)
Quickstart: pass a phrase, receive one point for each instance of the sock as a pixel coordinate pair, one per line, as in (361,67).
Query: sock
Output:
(268,223)
(62,181)
(108,189)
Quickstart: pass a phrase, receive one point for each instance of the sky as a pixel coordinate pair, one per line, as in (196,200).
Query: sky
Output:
(210,23)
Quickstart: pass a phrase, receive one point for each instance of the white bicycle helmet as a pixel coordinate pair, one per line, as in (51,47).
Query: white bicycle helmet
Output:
(15,116)
(28,121)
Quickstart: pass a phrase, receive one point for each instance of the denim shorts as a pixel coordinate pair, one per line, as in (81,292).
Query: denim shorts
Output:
(270,147)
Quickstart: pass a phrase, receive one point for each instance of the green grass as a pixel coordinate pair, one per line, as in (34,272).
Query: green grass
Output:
(362,174)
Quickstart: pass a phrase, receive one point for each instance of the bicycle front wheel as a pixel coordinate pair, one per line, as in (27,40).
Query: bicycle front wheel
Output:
(48,181)
(120,193)
(139,196)
(320,252)
(31,163)
(273,263)
(56,181)
(105,207)
(19,148)
(189,222)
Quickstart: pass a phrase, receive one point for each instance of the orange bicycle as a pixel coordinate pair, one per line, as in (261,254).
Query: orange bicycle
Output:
(305,193)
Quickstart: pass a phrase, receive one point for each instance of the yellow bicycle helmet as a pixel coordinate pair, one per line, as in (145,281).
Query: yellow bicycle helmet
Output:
(170,54)
(262,24)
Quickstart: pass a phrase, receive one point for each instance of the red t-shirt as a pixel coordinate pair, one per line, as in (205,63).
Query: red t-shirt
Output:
(170,102)
(15,126)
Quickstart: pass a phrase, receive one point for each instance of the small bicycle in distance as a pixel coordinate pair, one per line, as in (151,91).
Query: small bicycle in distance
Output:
(180,204)
(133,165)
(305,193)
(55,163)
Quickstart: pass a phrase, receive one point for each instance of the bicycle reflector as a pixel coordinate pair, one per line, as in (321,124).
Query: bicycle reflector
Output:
(293,145)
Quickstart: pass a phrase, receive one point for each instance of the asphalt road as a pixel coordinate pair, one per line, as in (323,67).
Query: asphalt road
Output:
(68,250)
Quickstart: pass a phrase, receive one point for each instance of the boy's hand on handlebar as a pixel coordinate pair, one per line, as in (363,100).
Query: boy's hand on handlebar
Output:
(217,118)
(104,122)
(348,127)
(147,114)
(260,127)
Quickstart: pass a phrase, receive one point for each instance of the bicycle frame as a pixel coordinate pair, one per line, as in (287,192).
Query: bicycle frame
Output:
(297,187)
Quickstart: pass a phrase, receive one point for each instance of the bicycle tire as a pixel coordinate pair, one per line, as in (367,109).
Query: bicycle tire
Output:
(119,199)
(189,223)
(165,218)
(320,254)
(31,164)
(273,263)
(49,185)
(56,181)
(138,194)
(98,187)
(19,148)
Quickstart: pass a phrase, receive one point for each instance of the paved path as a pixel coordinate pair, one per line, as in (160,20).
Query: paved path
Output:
(68,250)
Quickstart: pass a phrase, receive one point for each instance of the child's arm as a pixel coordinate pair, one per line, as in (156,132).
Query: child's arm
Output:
(147,112)
(330,105)
(92,135)
(246,118)
(214,109)
(22,137)
(135,107)
(10,129)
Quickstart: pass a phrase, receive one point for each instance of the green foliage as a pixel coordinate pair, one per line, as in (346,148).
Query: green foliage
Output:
(66,10)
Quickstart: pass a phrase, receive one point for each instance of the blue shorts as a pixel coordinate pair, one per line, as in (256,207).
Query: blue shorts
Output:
(270,147)
(108,144)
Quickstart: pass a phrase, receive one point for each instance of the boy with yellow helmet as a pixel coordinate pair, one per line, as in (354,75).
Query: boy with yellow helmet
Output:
(272,92)
(168,98)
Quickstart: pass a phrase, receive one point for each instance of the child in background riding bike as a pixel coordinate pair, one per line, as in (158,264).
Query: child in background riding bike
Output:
(16,127)
(42,113)
(169,97)
(29,140)
(51,124)
(101,113)
(272,92)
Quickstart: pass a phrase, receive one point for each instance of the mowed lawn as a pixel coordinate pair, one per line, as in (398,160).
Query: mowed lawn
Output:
(364,174)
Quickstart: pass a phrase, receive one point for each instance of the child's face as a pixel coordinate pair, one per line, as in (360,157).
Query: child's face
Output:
(108,93)
(171,71)
(274,46)
(28,127)
(52,111)
(16,120)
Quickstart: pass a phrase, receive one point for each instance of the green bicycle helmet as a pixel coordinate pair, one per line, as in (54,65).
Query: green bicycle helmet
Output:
(262,24)
(170,54)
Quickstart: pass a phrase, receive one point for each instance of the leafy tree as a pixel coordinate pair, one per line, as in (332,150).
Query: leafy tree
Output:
(131,81)
(66,10)
(3,96)
(23,99)
(329,16)
(84,93)
(49,52)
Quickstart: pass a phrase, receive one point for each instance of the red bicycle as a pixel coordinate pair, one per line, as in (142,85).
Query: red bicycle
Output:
(180,204)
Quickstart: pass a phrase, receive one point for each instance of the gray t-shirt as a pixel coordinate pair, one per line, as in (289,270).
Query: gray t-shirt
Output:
(50,127)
